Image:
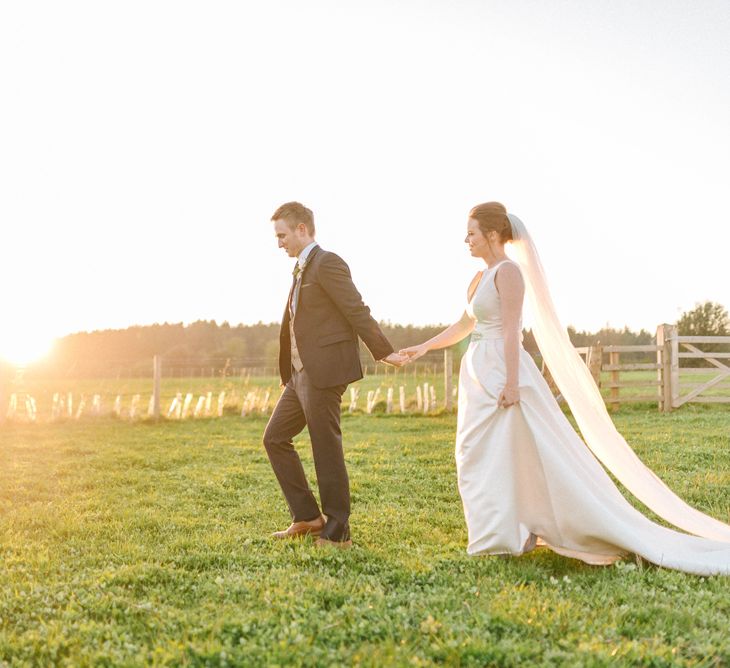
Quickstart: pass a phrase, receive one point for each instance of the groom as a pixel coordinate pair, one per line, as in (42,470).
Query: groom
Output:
(318,357)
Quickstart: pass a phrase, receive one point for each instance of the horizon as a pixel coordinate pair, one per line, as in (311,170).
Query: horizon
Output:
(390,323)
(108,350)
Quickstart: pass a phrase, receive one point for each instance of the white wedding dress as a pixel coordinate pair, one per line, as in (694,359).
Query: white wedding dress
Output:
(526,478)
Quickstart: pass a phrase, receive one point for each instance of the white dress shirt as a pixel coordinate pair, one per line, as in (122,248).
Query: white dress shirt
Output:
(302,257)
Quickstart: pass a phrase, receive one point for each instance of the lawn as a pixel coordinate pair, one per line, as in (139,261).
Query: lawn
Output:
(147,544)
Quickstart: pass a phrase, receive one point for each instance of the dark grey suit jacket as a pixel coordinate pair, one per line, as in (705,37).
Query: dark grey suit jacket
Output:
(329,318)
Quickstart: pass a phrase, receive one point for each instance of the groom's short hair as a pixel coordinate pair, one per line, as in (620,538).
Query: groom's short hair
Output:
(295,213)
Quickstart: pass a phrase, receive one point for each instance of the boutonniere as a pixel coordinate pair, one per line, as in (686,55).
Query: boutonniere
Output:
(299,269)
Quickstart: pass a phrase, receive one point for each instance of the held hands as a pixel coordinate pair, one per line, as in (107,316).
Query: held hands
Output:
(405,356)
(509,396)
(395,359)
(414,352)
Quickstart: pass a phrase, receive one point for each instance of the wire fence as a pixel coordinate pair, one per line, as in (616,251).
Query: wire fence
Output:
(670,373)
(195,388)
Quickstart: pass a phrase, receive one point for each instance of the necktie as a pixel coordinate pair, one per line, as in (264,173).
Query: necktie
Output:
(296,273)
(295,359)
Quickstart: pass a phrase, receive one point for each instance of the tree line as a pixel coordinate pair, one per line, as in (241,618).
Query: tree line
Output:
(205,343)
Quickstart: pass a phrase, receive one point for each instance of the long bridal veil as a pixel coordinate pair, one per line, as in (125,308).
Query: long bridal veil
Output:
(577,387)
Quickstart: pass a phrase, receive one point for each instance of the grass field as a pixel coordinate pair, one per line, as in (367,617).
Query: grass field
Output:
(147,544)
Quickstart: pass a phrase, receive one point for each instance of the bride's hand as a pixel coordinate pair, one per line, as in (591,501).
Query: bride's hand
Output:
(509,396)
(414,352)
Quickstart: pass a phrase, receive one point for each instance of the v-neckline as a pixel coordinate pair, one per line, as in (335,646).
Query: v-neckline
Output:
(486,272)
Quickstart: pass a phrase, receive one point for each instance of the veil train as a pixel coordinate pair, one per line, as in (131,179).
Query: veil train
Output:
(585,401)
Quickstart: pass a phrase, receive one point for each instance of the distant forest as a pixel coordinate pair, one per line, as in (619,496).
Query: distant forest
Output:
(221,347)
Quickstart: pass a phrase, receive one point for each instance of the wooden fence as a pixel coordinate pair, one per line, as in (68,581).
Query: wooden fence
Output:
(691,384)
(672,383)
(674,371)
(606,361)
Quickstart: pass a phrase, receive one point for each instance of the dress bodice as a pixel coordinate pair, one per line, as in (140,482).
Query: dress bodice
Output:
(485,306)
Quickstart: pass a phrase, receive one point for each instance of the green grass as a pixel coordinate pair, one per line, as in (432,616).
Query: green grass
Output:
(129,544)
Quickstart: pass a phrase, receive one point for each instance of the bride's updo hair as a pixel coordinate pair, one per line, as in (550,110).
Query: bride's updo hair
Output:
(493,216)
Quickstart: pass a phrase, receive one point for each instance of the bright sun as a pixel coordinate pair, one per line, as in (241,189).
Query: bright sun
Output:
(21,348)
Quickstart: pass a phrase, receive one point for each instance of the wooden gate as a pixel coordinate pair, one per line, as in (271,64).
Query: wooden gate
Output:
(700,379)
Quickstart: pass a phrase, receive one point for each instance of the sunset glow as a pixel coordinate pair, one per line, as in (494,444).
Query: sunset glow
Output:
(21,348)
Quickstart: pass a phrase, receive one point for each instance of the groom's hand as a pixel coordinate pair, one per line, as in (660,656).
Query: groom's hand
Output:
(395,359)
(414,352)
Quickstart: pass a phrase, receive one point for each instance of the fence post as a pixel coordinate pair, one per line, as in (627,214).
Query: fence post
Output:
(671,334)
(448,379)
(614,361)
(595,361)
(354,393)
(156,376)
(662,358)
(545,371)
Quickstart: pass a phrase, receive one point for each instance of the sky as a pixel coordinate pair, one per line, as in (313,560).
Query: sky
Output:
(145,145)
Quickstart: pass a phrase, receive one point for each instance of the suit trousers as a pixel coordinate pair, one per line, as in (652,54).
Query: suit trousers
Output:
(302,404)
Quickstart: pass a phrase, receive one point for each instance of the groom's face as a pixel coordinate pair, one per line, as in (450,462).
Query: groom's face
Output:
(292,240)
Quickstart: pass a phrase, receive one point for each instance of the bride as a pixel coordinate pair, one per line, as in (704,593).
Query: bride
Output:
(525,476)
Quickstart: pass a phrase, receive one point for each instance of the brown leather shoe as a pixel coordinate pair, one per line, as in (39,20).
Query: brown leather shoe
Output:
(300,529)
(335,534)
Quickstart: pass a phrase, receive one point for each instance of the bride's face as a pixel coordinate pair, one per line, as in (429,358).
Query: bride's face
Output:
(478,243)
